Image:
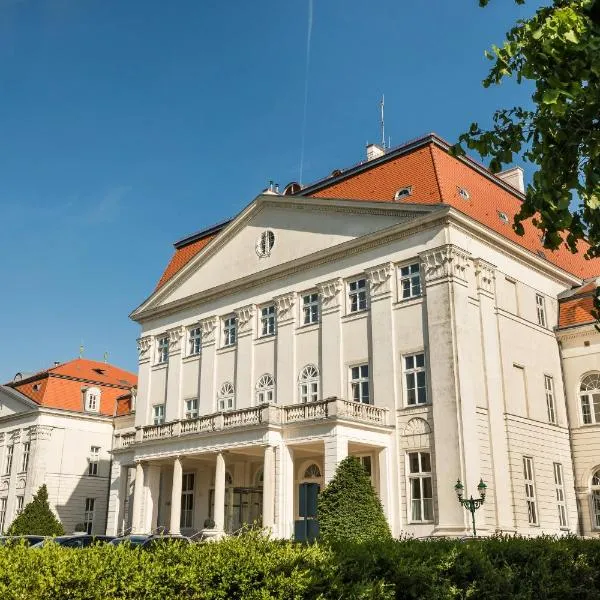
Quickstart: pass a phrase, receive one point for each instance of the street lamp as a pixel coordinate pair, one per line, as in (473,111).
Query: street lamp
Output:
(471,504)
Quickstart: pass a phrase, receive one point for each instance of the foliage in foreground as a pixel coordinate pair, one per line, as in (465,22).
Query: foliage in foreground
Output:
(558,50)
(349,509)
(37,518)
(253,567)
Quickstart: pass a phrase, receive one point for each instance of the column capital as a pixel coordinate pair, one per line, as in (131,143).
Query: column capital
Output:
(208,327)
(175,336)
(143,345)
(331,293)
(380,279)
(245,316)
(445,262)
(485,273)
(285,307)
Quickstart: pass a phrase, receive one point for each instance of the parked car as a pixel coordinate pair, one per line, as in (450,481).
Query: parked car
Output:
(76,541)
(155,541)
(132,540)
(28,540)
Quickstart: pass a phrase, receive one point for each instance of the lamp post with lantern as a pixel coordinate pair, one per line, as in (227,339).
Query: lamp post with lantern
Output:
(471,504)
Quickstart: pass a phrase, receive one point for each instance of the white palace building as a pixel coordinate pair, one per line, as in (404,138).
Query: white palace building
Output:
(387,312)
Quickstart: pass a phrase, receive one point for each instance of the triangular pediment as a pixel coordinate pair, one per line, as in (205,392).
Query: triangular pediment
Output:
(297,228)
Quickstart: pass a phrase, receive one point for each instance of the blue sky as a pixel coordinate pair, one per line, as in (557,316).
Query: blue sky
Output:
(126,125)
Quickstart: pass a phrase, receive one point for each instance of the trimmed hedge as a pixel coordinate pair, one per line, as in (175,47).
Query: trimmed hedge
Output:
(252,567)
(37,518)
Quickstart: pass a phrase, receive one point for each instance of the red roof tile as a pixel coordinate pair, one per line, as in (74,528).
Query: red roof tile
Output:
(576,311)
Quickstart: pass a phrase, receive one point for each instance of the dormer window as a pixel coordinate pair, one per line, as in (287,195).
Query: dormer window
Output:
(91,399)
(503,217)
(463,193)
(403,193)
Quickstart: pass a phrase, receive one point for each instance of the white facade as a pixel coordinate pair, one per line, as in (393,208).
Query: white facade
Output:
(67,451)
(428,355)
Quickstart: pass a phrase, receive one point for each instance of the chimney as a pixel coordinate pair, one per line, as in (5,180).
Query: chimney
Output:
(514,178)
(374,151)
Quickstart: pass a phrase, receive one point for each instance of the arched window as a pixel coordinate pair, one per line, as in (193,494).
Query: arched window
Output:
(309,384)
(265,393)
(226,399)
(312,471)
(595,488)
(589,393)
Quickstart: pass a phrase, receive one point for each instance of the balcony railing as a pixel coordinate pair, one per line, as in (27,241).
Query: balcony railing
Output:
(265,414)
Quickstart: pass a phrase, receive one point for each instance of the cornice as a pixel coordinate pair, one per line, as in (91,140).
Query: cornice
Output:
(576,331)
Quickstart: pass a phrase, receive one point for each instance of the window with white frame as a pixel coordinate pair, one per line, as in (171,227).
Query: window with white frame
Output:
(359,384)
(267,320)
(9,459)
(226,398)
(559,486)
(88,514)
(549,387)
(420,486)
(25,457)
(540,306)
(310,308)
(191,408)
(92,399)
(162,349)
(309,384)
(410,281)
(93,461)
(20,504)
(415,377)
(595,490)
(589,395)
(195,341)
(357,295)
(265,390)
(229,331)
(532,513)
(187,501)
(158,414)
(2,513)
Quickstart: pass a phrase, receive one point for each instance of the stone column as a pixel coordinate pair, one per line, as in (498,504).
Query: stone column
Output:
(119,525)
(175,520)
(285,374)
(268,517)
(174,408)
(137,524)
(219,509)
(386,487)
(207,400)
(286,491)
(244,384)
(336,449)
(449,345)
(331,338)
(152,497)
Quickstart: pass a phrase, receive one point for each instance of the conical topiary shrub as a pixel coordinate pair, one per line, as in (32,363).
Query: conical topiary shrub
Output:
(348,508)
(37,518)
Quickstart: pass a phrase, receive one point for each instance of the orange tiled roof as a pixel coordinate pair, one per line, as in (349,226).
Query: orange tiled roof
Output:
(575,306)
(60,386)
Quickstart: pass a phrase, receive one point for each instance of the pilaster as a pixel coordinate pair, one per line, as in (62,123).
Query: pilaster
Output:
(285,355)
(144,345)
(244,366)
(173,409)
(206,402)
(331,337)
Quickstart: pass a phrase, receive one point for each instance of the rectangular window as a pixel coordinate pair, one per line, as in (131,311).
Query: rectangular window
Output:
(2,514)
(9,459)
(25,459)
(357,295)
(158,414)
(530,490)
(191,408)
(359,384)
(410,281)
(367,463)
(549,387)
(415,377)
(195,341)
(187,501)
(162,350)
(420,486)
(310,308)
(88,515)
(229,331)
(590,407)
(541,309)
(267,320)
(20,503)
(93,460)
(561,504)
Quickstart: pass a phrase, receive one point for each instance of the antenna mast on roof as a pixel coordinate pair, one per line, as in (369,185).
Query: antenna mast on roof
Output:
(382,122)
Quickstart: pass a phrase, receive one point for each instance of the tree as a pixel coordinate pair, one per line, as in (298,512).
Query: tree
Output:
(348,509)
(37,518)
(558,49)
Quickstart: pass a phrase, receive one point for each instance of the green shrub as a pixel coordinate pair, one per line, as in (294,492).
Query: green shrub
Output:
(37,518)
(348,509)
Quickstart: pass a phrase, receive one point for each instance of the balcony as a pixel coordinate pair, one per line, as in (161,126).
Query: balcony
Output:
(266,414)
